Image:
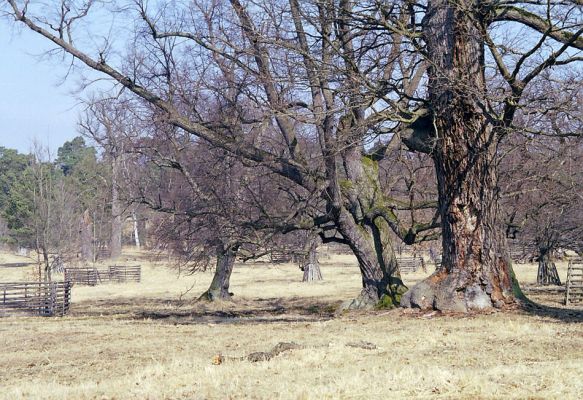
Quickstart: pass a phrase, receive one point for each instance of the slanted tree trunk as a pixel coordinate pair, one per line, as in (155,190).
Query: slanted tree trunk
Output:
(381,279)
(367,234)
(115,241)
(312,267)
(219,288)
(476,269)
(547,270)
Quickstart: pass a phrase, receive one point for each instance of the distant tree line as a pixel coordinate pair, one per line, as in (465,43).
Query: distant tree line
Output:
(60,207)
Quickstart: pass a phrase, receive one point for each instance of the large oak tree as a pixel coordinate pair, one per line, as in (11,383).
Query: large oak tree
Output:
(344,74)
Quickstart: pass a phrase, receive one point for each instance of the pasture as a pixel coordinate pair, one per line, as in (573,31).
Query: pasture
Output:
(152,340)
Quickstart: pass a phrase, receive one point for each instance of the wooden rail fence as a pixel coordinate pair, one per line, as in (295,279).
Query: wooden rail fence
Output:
(125,273)
(574,284)
(280,257)
(83,276)
(95,276)
(103,254)
(410,264)
(46,299)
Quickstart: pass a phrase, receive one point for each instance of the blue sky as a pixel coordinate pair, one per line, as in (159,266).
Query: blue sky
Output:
(34,105)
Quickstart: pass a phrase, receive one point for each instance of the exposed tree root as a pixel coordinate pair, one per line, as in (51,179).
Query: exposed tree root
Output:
(260,355)
(446,292)
(282,347)
(364,301)
(211,296)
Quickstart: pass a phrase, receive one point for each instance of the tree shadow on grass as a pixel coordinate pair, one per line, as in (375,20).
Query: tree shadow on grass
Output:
(240,311)
(563,314)
(16,264)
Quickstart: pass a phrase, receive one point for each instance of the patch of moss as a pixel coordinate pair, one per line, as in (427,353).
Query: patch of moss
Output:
(386,302)
(516,290)
(397,300)
(345,185)
(370,164)
(397,287)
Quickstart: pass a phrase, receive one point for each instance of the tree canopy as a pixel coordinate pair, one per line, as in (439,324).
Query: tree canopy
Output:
(322,93)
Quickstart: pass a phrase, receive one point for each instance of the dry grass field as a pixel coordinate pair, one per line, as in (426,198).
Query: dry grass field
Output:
(153,341)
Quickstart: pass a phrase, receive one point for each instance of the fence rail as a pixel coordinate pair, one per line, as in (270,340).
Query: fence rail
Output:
(46,299)
(125,273)
(410,264)
(83,276)
(113,274)
(280,257)
(574,284)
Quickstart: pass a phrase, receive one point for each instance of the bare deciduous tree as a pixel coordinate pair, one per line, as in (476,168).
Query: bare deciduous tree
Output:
(467,119)
(312,73)
(341,75)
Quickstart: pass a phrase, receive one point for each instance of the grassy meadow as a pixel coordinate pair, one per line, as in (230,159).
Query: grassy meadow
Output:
(154,341)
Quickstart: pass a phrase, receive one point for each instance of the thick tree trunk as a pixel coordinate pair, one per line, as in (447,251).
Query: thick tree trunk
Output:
(219,288)
(547,270)
(368,236)
(476,270)
(312,267)
(115,241)
(371,244)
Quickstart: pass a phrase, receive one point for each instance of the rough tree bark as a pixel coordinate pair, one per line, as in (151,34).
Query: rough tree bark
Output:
(368,234)
(476,269)
(219,288)
(547,270)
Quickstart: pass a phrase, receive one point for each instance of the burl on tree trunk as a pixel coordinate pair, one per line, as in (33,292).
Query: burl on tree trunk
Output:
(219,288)
(476,271)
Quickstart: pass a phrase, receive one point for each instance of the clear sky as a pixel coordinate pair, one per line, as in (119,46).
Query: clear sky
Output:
(34,105)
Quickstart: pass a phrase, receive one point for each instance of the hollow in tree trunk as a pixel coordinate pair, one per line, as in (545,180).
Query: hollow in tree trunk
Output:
(312,266)
(219,288)
(547,270)
(476,271)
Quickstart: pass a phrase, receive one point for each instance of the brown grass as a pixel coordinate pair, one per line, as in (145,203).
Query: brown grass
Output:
(152,341)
